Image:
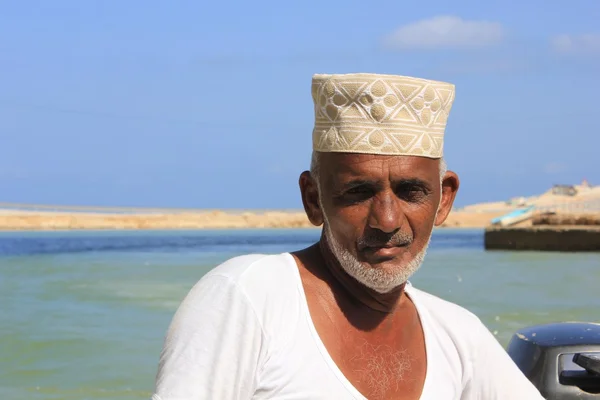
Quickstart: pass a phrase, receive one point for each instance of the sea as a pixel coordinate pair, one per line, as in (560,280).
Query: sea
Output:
(84,314)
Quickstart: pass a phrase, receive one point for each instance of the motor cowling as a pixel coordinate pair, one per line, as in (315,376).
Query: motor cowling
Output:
(562,360)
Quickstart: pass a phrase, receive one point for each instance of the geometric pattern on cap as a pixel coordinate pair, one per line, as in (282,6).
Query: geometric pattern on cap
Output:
(380,114)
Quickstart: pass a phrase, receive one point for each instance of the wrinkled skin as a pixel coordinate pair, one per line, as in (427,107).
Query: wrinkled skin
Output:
(382,210)
(372,201)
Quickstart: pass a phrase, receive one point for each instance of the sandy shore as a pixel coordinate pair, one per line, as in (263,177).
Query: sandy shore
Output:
(13,216)
(45,220)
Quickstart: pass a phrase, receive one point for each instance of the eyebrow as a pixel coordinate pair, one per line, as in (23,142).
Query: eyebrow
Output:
(359,182)
(375,184)
(414,182)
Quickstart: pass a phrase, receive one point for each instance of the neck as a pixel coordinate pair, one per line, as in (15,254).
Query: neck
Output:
(385,303)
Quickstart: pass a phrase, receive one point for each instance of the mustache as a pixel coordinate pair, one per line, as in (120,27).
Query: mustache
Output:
(382,239)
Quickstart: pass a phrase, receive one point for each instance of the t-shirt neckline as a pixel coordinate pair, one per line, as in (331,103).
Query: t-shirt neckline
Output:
(409,290)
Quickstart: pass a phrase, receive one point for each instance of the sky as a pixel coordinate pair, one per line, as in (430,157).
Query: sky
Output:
(208,104)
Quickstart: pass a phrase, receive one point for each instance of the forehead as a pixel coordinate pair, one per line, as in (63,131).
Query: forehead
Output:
(378,166)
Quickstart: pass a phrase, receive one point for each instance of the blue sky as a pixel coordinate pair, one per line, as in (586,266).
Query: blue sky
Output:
(207,104)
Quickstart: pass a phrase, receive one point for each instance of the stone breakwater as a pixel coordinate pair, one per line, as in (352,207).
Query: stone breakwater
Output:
(30,220)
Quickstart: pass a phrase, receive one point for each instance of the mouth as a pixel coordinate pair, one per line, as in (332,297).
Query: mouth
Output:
(385,251)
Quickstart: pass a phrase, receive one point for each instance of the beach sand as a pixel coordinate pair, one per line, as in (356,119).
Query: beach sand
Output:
(52,217)
(46,220)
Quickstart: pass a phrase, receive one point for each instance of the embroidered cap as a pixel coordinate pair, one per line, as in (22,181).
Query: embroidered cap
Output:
(380,114)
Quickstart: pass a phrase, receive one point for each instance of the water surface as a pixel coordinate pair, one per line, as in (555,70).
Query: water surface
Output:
(84,313)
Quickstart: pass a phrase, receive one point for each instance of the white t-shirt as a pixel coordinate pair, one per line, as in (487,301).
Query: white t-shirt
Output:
(245,332)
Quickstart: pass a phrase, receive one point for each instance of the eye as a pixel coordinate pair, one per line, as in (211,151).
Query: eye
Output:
(356,194)
(411,192)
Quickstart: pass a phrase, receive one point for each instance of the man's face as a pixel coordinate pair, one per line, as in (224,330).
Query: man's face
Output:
(379,213)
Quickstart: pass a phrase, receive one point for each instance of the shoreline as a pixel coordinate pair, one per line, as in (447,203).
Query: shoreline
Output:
(21,220)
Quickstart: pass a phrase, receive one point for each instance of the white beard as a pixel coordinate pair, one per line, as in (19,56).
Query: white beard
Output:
(377,279)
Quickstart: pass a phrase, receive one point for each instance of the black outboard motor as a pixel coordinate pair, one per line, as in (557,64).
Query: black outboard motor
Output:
(562,360)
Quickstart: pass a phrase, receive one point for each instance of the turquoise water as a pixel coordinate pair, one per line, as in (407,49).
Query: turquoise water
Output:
(84,313)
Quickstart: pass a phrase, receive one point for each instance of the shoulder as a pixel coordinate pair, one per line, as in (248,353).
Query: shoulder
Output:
(450,325)
(487,371)
(257,288)
(216,341)
(444,312)
(236,268)
(255,272)
(269,284)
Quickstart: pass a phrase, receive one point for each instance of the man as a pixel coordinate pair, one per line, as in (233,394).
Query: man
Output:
(339,320)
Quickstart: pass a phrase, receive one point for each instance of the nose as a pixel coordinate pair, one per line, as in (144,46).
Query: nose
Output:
(386,213)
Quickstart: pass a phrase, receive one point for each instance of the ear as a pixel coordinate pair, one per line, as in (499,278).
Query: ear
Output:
(310,198)
(450,184)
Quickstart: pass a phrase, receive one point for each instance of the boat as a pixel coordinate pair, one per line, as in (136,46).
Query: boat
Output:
(514,217)
(562,360)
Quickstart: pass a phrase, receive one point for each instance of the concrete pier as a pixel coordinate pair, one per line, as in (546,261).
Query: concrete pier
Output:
(544,238)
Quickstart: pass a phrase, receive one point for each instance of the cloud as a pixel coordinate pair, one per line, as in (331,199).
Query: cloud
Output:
(588,43)
(445,32)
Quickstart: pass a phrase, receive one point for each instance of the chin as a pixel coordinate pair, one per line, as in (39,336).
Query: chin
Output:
(382,275)
(385,272)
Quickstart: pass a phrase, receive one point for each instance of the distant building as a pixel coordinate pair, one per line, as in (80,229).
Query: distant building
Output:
(564,190)
(517,201)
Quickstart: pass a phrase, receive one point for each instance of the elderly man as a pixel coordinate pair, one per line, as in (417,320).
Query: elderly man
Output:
(340,320)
